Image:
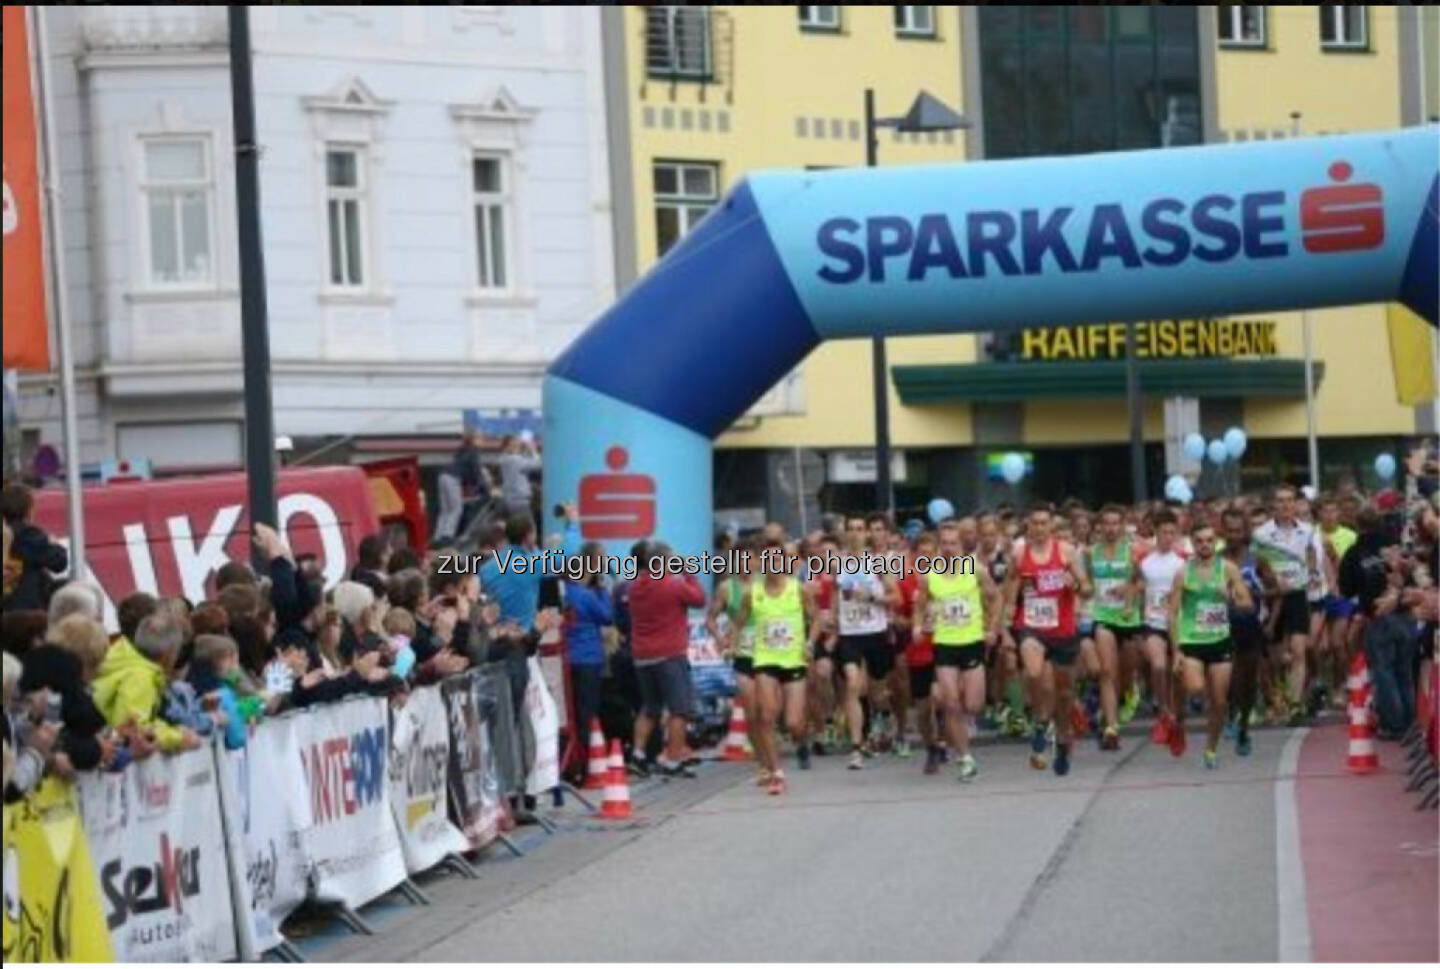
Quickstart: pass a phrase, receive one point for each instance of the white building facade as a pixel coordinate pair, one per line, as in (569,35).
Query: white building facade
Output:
(435,210)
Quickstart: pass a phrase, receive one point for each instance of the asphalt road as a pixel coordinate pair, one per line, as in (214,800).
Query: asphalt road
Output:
(1134,856)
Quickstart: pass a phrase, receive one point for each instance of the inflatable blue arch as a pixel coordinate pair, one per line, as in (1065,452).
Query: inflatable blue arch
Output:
(791,258)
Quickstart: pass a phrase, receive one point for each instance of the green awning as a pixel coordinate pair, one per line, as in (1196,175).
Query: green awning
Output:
(1091,379)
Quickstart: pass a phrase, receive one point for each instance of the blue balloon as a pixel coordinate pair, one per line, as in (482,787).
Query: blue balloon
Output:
(1193,446)
(1235,442)
(1012,467)
(1177,489)
(939,509)
(1385,466)
(1217,452)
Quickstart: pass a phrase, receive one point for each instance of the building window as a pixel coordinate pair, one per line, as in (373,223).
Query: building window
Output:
(820,18)
(684,193)
(1343,28)
(677,41)
(1241,26)
(179,202)
(345,215)
(491,187)
(915,21)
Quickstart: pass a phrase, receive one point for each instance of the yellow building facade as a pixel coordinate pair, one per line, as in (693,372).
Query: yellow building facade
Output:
(701,95)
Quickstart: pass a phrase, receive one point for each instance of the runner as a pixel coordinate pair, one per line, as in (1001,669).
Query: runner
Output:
(1247,626)
(821,690)
(865,653)
(783,610)
(1118,632)
(919,651)
(1335,540)
(1087,707)
(1041,592)
(1288,545)
(1154,576)
(736,641)
(1200,616)
(951,603)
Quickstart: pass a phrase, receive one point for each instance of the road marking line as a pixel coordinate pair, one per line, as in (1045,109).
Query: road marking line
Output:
(1293,914)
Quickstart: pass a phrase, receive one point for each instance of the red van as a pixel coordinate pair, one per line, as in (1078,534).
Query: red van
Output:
(168,536)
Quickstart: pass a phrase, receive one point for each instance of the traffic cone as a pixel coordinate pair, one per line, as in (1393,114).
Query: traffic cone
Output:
(737,743)
(599,767)
(1363,757)
(1362,689)
(616,805)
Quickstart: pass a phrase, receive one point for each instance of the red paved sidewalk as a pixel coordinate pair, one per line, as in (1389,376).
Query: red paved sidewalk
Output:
(1370,858)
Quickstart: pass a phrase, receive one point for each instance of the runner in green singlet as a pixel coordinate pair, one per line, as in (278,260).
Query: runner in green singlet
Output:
(1118,628)
(737,641)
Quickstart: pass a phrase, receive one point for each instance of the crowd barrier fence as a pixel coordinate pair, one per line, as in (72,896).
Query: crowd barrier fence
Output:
(201,856)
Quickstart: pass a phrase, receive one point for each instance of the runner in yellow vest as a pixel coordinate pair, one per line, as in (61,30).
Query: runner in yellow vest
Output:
(737,641)
(955,597)
(786,625)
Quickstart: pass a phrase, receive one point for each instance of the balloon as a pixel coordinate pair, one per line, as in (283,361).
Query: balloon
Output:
(1177,489)
(939,509)
(1012,467)
(1235,442)
(1385,466)
(1308,492)
(1193,446)
(1217,452)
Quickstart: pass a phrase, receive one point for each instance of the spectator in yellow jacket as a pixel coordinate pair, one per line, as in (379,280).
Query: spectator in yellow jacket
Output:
(130,688)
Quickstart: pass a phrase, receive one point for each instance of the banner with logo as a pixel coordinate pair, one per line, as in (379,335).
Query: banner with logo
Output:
(159,848)
(473,782)
(545,725)
(268,817)
(419,761)
(26,330)
(52,903)
(351,842)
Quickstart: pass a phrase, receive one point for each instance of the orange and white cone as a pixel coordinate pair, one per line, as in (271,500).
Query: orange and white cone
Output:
(1362,689)
(737,742)
(1363,757)
(616,805)
(599,768)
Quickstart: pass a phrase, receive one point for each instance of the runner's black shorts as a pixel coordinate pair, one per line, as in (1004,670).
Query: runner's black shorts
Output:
(743,665)
(1121,633)
(1209,653)
(782,674)
(825,650)
(1294,614)
(963,656)
(1059,650)
(1247,636)
(1148,631)
(872,650)
(922,678)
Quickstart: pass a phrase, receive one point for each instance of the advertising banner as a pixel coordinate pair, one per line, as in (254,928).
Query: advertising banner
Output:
(471,778)
(158,845)
(545,725)
(419,762)
(351,841)
(269,816)
(25,323)
(52,902)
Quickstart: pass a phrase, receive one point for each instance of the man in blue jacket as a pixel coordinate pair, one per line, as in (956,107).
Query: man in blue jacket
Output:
(588,609)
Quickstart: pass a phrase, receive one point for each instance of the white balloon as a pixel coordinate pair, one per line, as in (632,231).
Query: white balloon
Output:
(1217,452)
(1176,488)
(1385,466)
(1012,467)
(1236,442)
(1193,446)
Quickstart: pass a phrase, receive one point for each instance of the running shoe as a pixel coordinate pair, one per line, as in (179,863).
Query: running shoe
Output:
(933,758)
(762,777)
(1079,721)
(1129,706)
(638,768)
(1110,739)
(857,761)
(1231,728)
(673,769)
(967,769)
(1038,743)
(1062,760)
(820,748)
(803,754)
(777,784)
(1160,733)
(1177,739)
(1210,758)
(903,749)
(1017,724)
(1256,718)
(1242,745)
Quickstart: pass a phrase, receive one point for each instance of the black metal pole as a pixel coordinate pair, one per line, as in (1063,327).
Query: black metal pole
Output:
(1135,405)
(884,492)
(254,324)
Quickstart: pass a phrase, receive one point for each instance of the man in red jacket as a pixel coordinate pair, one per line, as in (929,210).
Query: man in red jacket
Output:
(659,643)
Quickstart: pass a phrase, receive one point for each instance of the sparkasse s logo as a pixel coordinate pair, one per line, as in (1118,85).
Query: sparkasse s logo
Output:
(617,504)
(1340,217)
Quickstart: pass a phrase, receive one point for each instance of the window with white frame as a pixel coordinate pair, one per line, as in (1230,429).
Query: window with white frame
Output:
(820,18)
(490,186)
(677,41)
(915,21)
(684,193)
(178,191)
(1343,28)
(1241,26)
(345,187)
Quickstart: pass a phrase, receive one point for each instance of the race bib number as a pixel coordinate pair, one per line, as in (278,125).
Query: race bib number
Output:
(778,634)
(1212,617)
(855,613)
(1157,608)
(1042,612)
(1111,593)
(1291,574)
(955,612)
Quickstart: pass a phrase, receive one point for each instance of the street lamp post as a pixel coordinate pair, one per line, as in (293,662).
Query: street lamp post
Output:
(926,113)
(1312,444)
